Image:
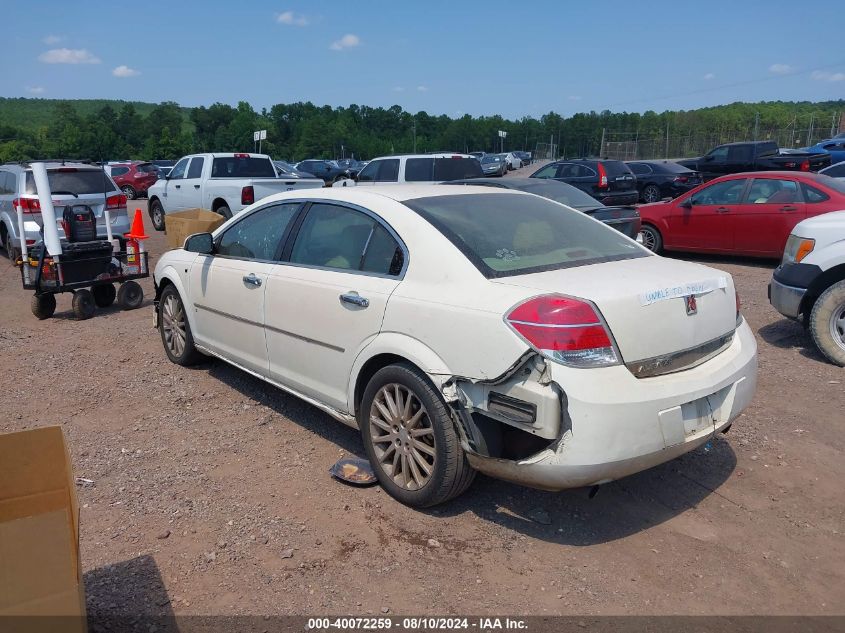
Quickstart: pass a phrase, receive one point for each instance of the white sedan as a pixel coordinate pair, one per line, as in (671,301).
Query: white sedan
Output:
(466,330)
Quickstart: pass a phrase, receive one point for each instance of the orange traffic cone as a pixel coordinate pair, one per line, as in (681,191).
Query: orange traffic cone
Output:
(137,231)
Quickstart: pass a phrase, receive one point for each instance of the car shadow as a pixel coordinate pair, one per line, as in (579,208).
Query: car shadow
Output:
(68,315)
(789,334)
(129,595)
(571,517)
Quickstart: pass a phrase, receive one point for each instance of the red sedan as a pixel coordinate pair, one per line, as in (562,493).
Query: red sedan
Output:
(741,214)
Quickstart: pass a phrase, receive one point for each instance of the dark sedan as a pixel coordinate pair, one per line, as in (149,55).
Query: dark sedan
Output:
(328,170)
(659,179)
(624,219)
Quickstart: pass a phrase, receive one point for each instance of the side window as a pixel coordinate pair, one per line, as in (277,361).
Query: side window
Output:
(837,171)
(419,169)
(813,195)
(259,234)
(725,192)
(383,255)
(5,183)
(548,171)
(640,169)
(388,171)
(178,171)
(119,171)
(567,170)
(586,172)
(720,153)
(333,237)
(368,174)
(772,191)
(741,153)
(195,170)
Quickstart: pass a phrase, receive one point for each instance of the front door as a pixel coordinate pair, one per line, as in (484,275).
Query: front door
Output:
(173,189)
(229,286)
(708,224)
(769,212)
(327,302)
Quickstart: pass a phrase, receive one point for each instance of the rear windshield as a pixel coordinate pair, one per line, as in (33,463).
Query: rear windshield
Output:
(670,167)
(457,168)
(836,184)
(563,193)
(78,181)
(491,159)
(247,167)
(505,235)
(615,168)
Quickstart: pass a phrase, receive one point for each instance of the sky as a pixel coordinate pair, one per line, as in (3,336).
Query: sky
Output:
(514,58)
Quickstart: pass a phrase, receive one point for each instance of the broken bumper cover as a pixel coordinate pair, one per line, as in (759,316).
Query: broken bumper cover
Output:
(622,425)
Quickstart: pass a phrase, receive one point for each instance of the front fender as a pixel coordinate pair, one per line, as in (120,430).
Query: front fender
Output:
(168,272)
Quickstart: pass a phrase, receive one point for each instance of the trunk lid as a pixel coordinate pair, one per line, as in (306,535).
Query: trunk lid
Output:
(642,301)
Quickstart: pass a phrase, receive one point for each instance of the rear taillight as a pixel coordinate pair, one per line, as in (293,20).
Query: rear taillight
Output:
(27,205)
(805,166)
(602,177)
(247,195)
(681,179)
(116,202)
(564,329)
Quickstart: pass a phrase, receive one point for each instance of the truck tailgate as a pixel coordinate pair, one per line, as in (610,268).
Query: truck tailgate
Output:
(264,187)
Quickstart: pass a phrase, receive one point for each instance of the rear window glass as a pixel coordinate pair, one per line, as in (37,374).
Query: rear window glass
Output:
(146,168)
(236,167)
(456,168)
(119,171)
(832,183)
(615,168)
(418,169)
(505,235)
(670,167)
(78,181)
(563,193)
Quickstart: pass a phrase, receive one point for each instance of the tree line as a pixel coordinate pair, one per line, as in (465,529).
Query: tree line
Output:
(120,130)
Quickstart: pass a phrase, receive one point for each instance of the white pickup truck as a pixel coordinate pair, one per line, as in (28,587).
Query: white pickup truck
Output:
(224,183)
(810,281)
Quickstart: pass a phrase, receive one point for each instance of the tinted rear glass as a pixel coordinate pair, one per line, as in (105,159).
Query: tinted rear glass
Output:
(234,167)
(418,169)
(615,168)
(457,168)
(80,182)
(670,167)
(505,235)
(561,192)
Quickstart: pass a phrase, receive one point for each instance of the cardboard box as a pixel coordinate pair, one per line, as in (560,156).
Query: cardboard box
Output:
(181,224)
(39,529)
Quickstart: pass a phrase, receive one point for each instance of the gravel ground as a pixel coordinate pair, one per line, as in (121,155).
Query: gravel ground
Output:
(211,495)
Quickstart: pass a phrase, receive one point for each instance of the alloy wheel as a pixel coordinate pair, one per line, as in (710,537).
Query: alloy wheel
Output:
(837,326)
(648,238)
(651,194)
(403,437)
(173,325)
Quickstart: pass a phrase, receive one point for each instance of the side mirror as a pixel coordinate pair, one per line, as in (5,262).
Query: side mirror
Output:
(708,158)
(202,243)
(686,204)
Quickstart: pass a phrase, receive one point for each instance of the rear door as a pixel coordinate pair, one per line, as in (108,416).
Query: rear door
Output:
(327,302)
(769,211)
(709,224)
(620,179)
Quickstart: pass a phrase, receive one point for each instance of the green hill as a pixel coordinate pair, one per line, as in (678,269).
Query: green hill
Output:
(26,113)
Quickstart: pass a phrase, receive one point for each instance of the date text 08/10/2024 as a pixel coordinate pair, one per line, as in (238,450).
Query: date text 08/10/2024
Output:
(415,624)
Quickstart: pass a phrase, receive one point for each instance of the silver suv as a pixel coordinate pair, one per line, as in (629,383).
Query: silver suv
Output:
(71,184)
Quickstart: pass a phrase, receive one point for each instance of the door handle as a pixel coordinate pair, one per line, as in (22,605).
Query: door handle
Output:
(252,280)
(355,299)
(789,208)
(178,186)
(196,186)
(723,210)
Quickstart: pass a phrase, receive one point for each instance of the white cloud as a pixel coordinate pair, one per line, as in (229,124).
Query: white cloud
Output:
(125,71)
(35,90)
(347,41)
(823,75)
(422,88)
(68,56)
(780,69)
(292,19)
(52,40)
(709,76)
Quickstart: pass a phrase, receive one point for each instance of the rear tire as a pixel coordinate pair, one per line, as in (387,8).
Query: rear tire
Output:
(104,295)
(652,239)
(651,193)
(224,211)
(157,214)
(9,246)
(83,304)
(129,192)
(175,329)
(827,323)
(130,295)
(43,307)
(410,438)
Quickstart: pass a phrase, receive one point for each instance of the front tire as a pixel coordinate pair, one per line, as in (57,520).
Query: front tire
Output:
(652,239)
(175,329)
(410,438)
(104,295)
(43,306)
(224,211)
(83,304)
(130,295)
(827,323)
(651,193)
(129,192)
(157,214)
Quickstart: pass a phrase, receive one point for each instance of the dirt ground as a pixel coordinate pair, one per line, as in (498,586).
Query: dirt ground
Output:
(211,492)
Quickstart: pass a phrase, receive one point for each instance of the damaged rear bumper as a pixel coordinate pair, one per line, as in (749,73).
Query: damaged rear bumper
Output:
(619,425)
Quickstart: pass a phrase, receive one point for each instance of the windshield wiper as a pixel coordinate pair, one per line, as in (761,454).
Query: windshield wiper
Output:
(65,193)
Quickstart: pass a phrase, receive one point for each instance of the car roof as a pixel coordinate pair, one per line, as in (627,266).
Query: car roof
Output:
(432,155)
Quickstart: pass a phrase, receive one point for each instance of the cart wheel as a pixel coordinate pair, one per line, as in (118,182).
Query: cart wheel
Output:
(130,295)
(104,295)
(43,306)
(83,304)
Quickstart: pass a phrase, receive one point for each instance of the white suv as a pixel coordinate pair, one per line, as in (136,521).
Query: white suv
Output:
(420,168)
